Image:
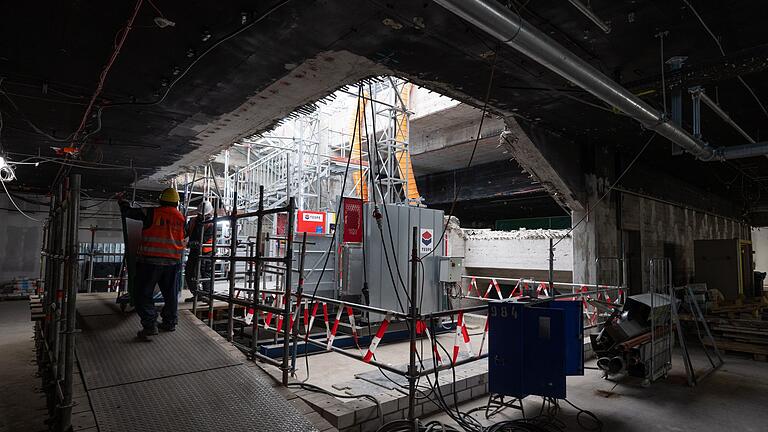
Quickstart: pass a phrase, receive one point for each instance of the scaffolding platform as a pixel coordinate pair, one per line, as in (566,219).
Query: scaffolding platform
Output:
(190,379)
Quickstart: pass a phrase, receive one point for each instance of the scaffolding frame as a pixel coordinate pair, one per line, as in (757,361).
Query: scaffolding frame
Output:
(256,261)
(55,334)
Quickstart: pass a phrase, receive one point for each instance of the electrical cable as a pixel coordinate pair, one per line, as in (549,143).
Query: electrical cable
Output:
(29,122)
(160,99)
(616,182)
(334,233)
(722,52)
(379,164)
(663,77)
(598,426)
(474,150)
(63,169)
(107,67)
(10,198)
(315,388)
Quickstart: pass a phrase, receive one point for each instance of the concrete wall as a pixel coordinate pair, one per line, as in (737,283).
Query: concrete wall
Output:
(664,228)
(21,238)
(522,253)
(675,227)
(505,252)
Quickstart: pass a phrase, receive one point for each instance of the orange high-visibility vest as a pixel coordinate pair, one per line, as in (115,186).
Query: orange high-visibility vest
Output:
(165,238)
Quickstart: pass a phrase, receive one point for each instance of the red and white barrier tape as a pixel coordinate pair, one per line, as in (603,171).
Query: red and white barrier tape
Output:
(280,316)
(461,330)
(377,338)
(351,316)
(269,314)
(485,333)
(421,327)
(542,289)
(473,284)
(335,327)
(493,284)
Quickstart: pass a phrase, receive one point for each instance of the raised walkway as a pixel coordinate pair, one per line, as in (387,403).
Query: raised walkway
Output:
(190,379)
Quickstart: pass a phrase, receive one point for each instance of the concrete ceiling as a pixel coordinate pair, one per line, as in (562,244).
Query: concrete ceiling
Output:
(253,75)
(457,156)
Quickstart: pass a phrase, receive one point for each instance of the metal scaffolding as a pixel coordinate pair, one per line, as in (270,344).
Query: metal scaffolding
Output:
(55,333)
(306,156)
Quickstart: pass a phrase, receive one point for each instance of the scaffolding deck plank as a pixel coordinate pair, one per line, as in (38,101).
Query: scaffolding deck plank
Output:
(110,354)
(229,398)
(184,380)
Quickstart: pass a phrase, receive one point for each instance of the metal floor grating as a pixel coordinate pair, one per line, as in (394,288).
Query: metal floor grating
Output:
(97,306)
(110,354)
(229,399)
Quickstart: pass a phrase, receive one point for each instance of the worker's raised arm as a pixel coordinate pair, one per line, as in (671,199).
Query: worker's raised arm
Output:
(137,213)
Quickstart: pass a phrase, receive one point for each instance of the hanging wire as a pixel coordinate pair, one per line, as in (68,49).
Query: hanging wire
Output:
(10,198)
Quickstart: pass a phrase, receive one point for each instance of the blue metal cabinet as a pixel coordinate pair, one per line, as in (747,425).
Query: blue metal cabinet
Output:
(533,347)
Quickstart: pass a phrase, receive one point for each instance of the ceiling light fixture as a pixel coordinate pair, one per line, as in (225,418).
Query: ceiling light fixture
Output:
(163,22)
(6,172)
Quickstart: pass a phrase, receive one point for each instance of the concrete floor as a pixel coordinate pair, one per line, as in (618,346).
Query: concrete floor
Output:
(22,407)
(330,368)
(733,398)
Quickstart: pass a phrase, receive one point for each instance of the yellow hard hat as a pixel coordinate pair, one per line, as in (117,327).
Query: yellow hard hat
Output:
(169,195)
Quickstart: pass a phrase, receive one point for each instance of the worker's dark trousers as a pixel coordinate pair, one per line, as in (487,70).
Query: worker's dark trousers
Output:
(165,276)
(190,271)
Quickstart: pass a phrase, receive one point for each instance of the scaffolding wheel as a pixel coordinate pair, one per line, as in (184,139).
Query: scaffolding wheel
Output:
(646,383)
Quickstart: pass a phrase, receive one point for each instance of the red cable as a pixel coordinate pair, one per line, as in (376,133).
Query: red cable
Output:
(105,71)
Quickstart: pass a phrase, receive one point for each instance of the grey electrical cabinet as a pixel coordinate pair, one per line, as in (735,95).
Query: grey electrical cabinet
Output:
(388,256)
(451,269)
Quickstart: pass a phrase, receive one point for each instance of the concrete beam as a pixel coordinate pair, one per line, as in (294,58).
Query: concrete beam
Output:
(552,160)
(449,127)
(302,84)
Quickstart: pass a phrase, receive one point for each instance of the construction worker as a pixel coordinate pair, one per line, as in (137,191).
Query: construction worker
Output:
(158,261)
(199,228)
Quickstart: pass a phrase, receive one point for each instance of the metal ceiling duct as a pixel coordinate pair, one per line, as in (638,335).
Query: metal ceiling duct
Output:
(512,30)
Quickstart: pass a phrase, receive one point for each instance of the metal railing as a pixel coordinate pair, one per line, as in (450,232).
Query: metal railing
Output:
(55,334)
(255,260)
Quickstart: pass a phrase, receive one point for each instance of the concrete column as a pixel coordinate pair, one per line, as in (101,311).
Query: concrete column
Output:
(596,235)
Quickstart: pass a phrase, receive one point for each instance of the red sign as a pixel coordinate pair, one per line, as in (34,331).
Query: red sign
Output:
(311,222)
(353,220)
(282,221)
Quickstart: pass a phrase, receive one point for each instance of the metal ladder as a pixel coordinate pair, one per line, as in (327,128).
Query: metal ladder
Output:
(707,341)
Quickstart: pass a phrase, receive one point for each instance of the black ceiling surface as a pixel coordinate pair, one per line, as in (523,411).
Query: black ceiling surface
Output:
(51,55)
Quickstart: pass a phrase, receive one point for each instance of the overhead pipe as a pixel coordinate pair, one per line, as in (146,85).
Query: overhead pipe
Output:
(699,92)
(742,151)
(591,15)
(512,30)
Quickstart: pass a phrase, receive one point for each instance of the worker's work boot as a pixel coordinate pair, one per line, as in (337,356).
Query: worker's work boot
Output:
(146,333)
(165,327)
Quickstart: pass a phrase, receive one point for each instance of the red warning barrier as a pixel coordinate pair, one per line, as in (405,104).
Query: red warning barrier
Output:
(485,333)
(473,284)
(377,338)
(268,318)
(327,322)
(543,288)
(493,284)
(351,316)
(421,327)
(335,326)
(461,330)
(280,316)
